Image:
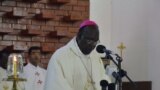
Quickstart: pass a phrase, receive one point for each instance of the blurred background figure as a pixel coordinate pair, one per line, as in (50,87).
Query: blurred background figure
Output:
(33,71)
(3,66)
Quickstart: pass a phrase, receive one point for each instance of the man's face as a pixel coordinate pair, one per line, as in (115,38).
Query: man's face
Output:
(35,57)
(88,39)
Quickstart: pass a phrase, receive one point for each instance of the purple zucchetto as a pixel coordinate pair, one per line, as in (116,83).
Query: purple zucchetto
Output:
(87,23)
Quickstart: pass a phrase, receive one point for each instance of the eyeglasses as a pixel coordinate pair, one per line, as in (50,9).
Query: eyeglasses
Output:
(89,41)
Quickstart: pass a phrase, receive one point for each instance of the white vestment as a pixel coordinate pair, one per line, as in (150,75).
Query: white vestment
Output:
(69,69)
(8,85)
(35,77)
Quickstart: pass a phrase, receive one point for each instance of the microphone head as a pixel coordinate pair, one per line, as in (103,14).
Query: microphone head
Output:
(104,83)
(100,48)
(115,75)
(122,73)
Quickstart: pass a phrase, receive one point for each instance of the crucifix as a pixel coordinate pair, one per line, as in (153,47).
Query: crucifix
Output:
(121,47)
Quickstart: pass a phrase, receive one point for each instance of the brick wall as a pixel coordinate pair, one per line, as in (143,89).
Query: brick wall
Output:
(49,24)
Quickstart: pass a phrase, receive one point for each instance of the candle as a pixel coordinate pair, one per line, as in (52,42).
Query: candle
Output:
(14,66)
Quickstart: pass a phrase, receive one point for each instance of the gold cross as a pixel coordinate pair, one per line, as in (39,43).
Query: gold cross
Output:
(121,47)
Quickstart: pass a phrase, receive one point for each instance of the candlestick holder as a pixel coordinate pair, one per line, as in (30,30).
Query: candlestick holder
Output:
(15,69)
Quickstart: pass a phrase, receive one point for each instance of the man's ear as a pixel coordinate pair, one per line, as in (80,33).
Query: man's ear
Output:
(78,36)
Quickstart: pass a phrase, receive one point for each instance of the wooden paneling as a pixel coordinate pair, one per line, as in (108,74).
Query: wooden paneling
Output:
(140,85)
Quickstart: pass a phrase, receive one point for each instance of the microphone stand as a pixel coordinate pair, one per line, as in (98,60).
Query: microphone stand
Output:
(119,59)
(121,72)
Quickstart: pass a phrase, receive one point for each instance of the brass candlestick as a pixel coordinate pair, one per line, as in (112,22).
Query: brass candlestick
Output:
(14,80)
(15,69)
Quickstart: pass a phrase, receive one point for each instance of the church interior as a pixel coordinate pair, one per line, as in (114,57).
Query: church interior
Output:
(129,28)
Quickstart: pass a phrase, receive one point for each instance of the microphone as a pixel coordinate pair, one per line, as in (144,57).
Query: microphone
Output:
(102,49)
(116,76)
(112,86)
(104,84)
(122,73)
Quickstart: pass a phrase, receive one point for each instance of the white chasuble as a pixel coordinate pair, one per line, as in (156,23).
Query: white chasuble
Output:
(35,77)
(69,69)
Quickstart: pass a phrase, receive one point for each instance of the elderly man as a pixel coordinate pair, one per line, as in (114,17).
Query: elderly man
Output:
(76,66)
